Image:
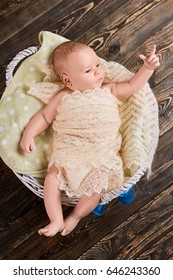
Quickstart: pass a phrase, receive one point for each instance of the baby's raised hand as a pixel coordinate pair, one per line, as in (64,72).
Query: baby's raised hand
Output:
(152,60)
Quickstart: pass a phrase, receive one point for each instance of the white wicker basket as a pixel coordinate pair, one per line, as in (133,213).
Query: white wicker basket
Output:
(36,184)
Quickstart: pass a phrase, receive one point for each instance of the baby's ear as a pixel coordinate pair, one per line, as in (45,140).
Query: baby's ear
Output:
(65,79)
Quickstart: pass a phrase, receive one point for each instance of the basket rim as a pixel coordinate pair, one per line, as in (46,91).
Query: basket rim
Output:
(36,186)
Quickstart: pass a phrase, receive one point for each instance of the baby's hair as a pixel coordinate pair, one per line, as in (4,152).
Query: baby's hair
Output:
(62,52)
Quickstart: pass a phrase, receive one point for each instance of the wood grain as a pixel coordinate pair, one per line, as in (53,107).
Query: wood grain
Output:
(137,234)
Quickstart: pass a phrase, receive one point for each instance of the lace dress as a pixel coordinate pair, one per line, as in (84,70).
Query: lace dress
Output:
(87,143)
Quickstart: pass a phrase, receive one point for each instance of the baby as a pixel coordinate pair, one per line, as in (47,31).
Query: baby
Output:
(86,141)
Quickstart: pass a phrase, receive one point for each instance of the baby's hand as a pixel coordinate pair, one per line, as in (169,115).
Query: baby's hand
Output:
(27,144)
(152,60)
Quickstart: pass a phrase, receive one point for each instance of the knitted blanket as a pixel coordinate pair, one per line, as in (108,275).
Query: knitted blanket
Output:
(139,114)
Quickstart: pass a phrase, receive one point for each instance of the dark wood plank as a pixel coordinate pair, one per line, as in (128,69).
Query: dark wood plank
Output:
(29,33)
(134,238)
(123,29)
(22,13)
(165,104)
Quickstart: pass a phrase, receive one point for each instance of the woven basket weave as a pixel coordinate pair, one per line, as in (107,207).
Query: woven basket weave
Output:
(36,184)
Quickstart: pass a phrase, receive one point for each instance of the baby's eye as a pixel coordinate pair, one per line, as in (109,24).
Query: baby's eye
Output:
(88,71)
(98,65)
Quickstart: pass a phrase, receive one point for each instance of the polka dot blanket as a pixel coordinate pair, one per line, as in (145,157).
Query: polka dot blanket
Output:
(17,107)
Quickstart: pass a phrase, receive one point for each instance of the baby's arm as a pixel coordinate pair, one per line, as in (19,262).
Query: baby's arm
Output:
(126,89)
(39,122)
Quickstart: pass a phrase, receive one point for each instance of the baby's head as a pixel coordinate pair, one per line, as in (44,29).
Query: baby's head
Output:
(62,53)
(78,66)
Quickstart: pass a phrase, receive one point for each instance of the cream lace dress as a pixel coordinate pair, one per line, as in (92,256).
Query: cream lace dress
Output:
(87,143)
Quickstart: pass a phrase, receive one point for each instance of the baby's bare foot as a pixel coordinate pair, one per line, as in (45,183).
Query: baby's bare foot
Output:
(70,223)
(51,229)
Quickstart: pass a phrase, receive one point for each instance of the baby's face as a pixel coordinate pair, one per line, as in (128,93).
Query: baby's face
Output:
(84,70)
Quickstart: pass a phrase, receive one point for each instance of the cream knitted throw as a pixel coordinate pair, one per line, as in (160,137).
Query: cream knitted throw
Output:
(140,126)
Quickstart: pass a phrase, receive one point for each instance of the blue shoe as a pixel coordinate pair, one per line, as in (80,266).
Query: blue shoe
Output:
(127,197)
(98,211)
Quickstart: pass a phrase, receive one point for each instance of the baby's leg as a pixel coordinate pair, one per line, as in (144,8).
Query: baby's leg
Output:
(52,201)
(84,207)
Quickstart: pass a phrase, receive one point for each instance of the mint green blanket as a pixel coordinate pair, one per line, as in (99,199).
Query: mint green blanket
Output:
(17,107)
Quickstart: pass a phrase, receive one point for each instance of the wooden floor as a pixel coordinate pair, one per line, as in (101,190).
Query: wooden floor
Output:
(118,30)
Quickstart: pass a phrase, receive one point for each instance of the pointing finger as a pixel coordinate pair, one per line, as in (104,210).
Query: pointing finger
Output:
(153,50)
